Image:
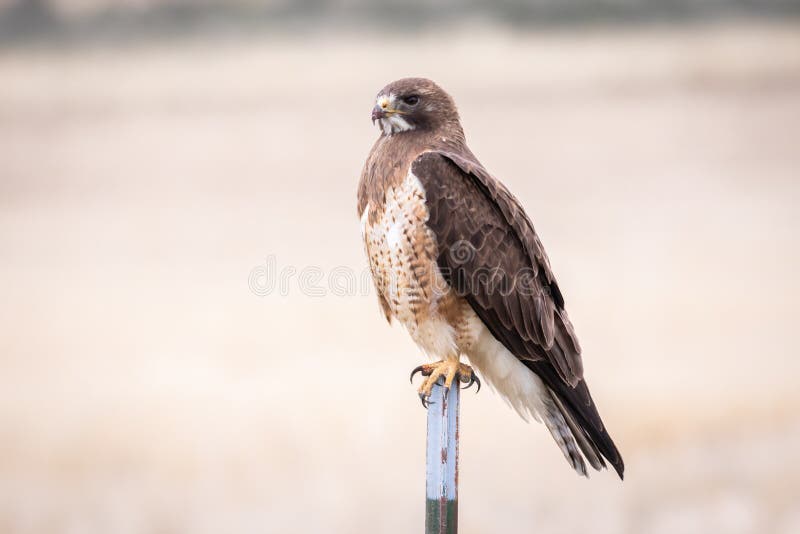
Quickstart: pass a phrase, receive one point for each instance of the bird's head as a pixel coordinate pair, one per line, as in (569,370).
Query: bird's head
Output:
(414,104)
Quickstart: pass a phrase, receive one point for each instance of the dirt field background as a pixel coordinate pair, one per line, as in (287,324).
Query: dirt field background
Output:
(148,383)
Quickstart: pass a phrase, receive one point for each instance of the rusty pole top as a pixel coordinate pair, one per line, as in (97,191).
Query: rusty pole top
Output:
(441,473)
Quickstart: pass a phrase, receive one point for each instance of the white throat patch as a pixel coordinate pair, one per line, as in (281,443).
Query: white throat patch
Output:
(394,124)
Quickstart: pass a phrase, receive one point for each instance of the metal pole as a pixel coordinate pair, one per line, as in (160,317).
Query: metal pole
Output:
(441,456)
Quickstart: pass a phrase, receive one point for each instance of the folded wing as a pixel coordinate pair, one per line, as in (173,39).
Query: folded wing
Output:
(490,254)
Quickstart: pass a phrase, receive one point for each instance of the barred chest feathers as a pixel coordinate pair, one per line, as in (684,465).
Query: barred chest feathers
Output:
(402,252)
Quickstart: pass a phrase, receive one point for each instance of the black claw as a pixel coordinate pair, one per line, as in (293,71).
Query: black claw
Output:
(424,399)
(413,372)
(419,369)
(473,379)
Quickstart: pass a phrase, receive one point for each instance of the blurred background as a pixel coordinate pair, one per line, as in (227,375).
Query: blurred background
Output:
(189,342)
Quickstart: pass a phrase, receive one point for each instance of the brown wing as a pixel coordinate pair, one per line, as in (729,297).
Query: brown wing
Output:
(490,254)
(494,257)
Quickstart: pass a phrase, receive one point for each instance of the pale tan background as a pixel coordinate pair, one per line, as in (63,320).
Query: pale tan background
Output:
(145,388)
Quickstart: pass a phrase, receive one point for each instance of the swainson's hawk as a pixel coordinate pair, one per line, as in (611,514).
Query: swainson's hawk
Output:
(456,260)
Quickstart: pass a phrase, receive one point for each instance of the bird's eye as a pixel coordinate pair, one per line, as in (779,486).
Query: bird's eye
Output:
(411,100)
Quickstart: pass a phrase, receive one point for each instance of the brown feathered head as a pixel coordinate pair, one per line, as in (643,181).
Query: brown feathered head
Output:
(414,104)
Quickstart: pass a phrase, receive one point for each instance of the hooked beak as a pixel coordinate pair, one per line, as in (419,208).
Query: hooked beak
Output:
(382,109)
(378,113)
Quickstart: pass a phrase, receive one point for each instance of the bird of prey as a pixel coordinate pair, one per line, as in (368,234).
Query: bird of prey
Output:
(455,259)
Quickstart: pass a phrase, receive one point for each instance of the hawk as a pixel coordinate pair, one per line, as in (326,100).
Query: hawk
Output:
(455,259)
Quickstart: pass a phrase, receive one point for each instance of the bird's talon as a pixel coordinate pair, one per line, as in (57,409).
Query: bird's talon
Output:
(472,379)
(418,369)
(444,373)
(425,401)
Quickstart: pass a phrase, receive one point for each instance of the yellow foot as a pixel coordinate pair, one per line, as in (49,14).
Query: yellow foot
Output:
(449,369)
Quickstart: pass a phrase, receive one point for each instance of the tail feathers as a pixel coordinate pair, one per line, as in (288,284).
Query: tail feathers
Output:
(575,442)
(588,448)
(580,414)
(556,422)
(569,429)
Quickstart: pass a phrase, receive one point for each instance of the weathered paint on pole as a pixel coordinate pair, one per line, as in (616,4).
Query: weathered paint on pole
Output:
(441,480)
